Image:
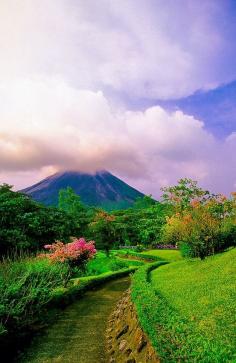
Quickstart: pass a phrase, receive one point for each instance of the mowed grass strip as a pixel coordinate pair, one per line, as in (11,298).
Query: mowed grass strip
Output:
(204,294)
(165,255)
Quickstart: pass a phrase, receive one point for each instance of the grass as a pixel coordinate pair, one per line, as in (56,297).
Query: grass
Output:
(31,287)
(133,255)
(200,307)
(166,255)
(25,287)
(102,264)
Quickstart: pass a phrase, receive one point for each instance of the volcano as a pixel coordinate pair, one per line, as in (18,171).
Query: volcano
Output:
(101,189)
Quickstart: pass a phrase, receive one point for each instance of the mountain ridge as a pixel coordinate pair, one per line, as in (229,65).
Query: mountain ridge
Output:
(101,189)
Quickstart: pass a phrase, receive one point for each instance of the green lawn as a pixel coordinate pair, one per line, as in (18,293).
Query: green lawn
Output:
(167,255)
(204,294)
(102,263)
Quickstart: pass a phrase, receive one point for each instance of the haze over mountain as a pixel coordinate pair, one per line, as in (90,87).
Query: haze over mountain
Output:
(100,189)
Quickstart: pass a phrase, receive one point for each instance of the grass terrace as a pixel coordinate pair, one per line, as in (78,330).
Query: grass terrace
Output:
(166,255)
(200,308)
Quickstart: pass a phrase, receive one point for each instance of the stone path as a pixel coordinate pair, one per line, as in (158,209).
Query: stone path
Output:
(78,336)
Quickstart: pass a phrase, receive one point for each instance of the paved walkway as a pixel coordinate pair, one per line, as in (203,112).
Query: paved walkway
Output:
(78,334)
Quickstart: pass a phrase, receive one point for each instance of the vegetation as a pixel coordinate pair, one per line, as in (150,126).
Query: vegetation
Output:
(27,225)
(195,309)
(25,288)
(189,303)
(103,227)
(201,224)
(149,308)
(102,264)
(138,255)
(165,255)
(75,254)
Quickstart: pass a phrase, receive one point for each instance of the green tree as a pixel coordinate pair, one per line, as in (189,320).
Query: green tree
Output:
(28,225)
(71,203)
(144,202)
(184,193)
(103,229)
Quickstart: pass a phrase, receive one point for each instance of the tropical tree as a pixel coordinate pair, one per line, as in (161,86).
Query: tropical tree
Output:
(181,196)
(103,230)
(28,225)
(71,203)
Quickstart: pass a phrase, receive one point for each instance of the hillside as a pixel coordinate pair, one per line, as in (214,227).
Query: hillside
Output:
(101,189)
(199,300)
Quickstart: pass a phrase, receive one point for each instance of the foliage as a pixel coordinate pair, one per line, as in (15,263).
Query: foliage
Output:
(25,288)
(75,254)
(144,202)
(103,228)
(64,296)
(140,225)
(141,256)
(202,320)
(182,194)
(203,228)
(70,202)
(103,263)
(31,289)
(27,225)
(165,255)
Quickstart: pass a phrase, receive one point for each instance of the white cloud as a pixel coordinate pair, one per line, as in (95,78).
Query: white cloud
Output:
(47,125)
(152,49)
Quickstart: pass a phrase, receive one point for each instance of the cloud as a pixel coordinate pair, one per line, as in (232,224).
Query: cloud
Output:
(147,49)
(47,125)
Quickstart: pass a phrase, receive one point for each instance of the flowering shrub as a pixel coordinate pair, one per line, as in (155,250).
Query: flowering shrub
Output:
(76,254)
(203,228)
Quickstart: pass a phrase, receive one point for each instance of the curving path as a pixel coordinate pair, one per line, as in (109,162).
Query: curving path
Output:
(78,334)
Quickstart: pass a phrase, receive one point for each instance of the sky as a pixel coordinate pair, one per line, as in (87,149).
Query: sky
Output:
(145,89)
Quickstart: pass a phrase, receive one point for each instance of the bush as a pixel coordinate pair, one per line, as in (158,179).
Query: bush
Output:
(25,288)
(75,254)
(201,230)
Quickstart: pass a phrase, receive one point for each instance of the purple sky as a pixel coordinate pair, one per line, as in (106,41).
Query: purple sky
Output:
(143,88)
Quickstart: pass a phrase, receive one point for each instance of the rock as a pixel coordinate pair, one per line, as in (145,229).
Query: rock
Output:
(126,341)
(131,360)
(141,344)
(123,331)
(122,345)
(128,351)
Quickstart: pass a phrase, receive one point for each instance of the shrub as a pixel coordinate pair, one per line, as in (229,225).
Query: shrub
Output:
(203,229)
(25,288)
(76,253)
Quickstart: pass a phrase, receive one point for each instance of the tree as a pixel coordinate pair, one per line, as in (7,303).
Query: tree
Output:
(103,229)
(204,228)
(28,225)
(184,193)
(144,202)
(71,203)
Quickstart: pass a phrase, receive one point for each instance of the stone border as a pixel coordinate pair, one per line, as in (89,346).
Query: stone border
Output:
(126,341)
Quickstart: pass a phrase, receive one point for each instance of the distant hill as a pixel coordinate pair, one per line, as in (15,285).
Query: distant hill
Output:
(101,189)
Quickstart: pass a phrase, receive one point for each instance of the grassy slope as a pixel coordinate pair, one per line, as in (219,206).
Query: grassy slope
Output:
(167,255)
(204,293)
(101,264)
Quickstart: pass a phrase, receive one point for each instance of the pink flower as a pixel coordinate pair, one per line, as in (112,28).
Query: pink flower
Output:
(78,252)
